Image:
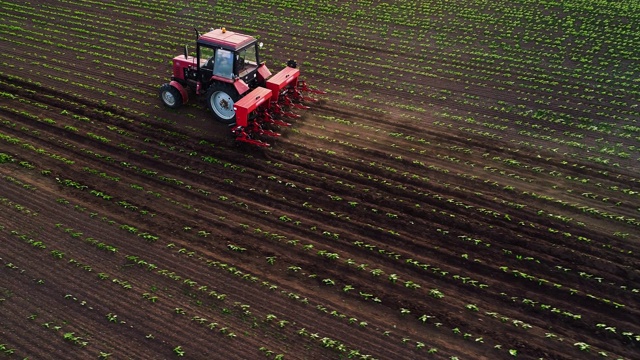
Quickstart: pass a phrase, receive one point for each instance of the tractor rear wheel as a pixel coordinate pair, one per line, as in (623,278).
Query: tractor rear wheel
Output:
(170,96)
(221,98)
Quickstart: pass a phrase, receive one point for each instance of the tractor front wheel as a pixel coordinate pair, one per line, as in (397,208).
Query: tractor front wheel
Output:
(170,96)
(221,98)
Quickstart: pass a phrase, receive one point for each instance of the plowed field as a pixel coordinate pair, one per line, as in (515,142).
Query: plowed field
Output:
(468,188)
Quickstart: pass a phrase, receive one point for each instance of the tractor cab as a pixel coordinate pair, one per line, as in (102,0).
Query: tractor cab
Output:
(227,56)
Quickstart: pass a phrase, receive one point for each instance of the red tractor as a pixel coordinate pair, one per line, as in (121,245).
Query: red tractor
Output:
(239,89)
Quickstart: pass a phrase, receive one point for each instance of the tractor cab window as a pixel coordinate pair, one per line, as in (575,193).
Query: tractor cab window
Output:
(223,65)
(247,58)
(206,57)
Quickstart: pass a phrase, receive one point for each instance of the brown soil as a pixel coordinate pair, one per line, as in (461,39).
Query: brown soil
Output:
(254,247)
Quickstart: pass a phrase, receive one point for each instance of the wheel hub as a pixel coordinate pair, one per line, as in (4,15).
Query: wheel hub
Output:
(168,98)
(222,105)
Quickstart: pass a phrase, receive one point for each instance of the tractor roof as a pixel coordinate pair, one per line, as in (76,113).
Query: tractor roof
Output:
(225,38)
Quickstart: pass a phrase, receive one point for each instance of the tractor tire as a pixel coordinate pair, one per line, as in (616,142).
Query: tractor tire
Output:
(221,98)
(170,96)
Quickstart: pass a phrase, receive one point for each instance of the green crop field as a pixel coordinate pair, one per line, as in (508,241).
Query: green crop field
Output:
(467,188)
